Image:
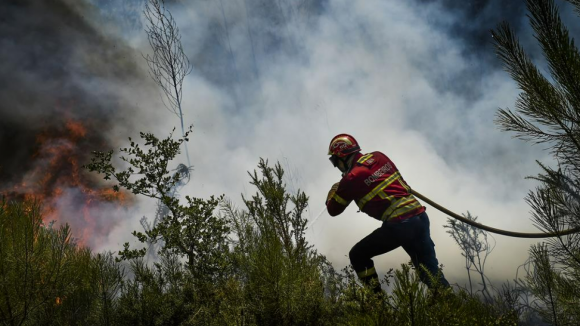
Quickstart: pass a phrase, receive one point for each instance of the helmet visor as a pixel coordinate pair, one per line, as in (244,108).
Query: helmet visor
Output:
(334,160)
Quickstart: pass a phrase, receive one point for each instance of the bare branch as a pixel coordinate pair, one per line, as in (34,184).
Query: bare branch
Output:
(168,65)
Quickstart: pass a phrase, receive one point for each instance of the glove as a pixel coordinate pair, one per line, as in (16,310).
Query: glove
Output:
(332,191)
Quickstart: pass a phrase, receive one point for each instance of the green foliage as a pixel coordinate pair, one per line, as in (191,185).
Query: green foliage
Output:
(548,112)
(36,262)
(285,282)
(250,266)
(279,272)
(192,229)
(410,302)
(274,277)
(557,293)
(170,292)
(46,278)
(158,295)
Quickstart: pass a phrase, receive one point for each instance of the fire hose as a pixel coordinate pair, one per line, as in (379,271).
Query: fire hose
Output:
(479,225)
(494,230)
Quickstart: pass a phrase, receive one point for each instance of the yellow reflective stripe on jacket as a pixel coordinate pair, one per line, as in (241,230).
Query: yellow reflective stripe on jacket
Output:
(339,199)
(401,206)
(406,209)
(363,201)
(398,204)
(402,182)
(363,158)
(367,272)
(383,195)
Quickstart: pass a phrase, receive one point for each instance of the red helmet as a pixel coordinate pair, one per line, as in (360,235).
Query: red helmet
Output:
(343,145)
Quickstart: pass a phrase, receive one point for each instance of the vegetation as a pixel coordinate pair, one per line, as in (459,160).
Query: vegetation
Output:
(548,112)
(168,64)
(46,277)
(217,264)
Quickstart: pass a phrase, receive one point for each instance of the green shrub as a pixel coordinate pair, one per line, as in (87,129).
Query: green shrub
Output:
(46,278)
(278,272)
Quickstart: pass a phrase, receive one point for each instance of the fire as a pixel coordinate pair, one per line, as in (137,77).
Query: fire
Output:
(76,129)
(67,192)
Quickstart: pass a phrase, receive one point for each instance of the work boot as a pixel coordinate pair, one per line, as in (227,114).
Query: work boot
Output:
(373,283)
(437,293)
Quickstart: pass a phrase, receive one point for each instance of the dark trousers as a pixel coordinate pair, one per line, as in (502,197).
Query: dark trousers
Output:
(413,235)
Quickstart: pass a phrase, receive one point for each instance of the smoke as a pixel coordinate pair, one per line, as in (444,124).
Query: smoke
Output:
(62,95)
(417,80)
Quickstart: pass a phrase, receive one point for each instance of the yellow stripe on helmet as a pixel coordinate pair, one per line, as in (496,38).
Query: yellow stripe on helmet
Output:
(339,139)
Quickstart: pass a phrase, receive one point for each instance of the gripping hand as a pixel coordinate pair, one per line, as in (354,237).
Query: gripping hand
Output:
(331,192)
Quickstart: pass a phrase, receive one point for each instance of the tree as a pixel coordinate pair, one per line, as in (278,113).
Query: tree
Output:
(35,267)
(190,230)
(548,112)
(183,173)
(46,278)
(168,65)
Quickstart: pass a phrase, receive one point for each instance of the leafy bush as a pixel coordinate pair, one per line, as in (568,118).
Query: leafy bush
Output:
(268,275)
(279,273)
(46,278)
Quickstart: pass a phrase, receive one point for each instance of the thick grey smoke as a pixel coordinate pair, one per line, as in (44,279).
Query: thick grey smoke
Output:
(63,94)
(417,80)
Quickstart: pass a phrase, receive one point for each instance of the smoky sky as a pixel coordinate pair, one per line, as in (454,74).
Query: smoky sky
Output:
(241,40)
(55,65)
(277,79)
(60,99)
(475,19)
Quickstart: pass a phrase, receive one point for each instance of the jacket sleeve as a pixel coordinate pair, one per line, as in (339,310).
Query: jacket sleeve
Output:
(340,200)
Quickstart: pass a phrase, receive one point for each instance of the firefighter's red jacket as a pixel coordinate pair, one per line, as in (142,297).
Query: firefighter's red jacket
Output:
(377,188)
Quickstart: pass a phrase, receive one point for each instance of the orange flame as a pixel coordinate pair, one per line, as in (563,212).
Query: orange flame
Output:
(76,129)
(58,174)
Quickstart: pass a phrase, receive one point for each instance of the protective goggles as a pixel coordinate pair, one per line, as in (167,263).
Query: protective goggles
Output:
(334,160)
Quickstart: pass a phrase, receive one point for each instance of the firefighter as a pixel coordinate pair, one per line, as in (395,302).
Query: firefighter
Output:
(373,182)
